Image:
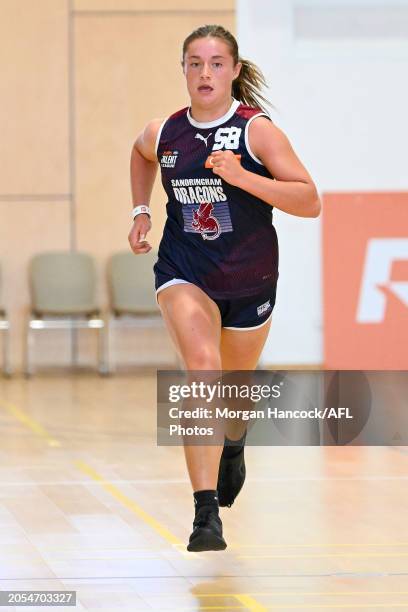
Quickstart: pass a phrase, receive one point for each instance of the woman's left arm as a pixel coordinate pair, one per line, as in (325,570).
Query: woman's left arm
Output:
(292,189)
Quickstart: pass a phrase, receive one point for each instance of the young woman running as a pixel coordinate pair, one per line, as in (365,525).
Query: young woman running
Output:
(224,166)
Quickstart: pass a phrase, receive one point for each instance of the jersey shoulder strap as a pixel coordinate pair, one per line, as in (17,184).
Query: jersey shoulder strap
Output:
(248,114)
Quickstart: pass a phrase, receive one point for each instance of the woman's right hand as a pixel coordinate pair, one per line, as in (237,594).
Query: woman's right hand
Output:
(137,235)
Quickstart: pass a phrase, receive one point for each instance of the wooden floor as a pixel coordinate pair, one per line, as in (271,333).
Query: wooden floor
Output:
(88,502)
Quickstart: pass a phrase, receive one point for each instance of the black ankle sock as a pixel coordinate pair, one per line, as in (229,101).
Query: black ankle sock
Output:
(233,447)
(205,498)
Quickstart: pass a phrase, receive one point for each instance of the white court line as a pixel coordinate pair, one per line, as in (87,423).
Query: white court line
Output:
(152,481)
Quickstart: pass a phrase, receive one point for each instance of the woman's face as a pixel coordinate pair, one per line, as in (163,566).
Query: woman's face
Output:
(209,70)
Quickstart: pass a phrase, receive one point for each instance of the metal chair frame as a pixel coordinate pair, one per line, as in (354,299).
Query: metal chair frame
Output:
(35,322)
(5,328)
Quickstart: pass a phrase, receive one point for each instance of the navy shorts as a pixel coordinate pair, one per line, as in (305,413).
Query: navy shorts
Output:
(236,313)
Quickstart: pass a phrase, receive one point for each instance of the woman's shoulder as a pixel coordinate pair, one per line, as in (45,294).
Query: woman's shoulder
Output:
(147,140)
(151,129)
(248,112)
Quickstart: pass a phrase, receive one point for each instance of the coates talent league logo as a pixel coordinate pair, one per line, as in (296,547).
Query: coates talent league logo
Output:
(168,159)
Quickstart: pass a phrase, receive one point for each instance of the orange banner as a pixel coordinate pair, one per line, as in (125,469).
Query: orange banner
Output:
(365,280)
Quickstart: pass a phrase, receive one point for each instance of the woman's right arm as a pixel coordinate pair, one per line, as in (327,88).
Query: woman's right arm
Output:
(143,170)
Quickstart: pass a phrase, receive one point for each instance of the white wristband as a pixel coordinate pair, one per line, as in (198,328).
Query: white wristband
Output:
(138,210)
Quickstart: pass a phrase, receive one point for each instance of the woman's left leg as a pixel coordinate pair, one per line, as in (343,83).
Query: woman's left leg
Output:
(240,350)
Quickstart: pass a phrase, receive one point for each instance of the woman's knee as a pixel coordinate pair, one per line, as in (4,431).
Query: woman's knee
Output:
(202,358)
(194,323)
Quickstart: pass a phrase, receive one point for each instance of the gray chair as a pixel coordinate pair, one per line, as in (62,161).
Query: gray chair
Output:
(132,294)
(5,329)
(63,287)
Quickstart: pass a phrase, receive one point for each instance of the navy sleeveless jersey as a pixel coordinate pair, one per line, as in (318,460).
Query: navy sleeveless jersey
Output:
(216,235)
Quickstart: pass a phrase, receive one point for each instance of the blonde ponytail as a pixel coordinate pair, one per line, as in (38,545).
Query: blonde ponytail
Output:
(248,85)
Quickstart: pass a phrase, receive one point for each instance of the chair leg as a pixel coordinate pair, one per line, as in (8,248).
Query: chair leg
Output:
(7,362)
(29,342)
(73,338)
(6,352)
(110,361)
(102,367)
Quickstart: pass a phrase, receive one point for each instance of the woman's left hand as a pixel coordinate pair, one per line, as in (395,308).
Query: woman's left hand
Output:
(227,166)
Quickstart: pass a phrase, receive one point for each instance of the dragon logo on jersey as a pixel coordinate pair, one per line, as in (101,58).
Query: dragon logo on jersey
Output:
(205,223)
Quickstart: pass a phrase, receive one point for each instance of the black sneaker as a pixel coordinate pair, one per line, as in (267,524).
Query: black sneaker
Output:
(207,532)
(231,478)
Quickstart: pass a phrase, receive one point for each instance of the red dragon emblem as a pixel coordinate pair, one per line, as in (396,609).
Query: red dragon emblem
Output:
(204,222)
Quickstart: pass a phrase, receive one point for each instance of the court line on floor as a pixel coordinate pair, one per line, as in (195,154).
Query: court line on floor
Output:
(387,606)
(236,546)
(321,545)
(353,575)
(249,602)
(129,503)
(39,430)
(324,556)
(204,595)
(169,481)
(32,424)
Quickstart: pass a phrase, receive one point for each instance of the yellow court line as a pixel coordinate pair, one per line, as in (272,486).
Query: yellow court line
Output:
(250,603)
(130,504)
(38,429)
(30,423)
(327,556)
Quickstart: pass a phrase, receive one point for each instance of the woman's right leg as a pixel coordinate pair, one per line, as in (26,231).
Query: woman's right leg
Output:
(194,323)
